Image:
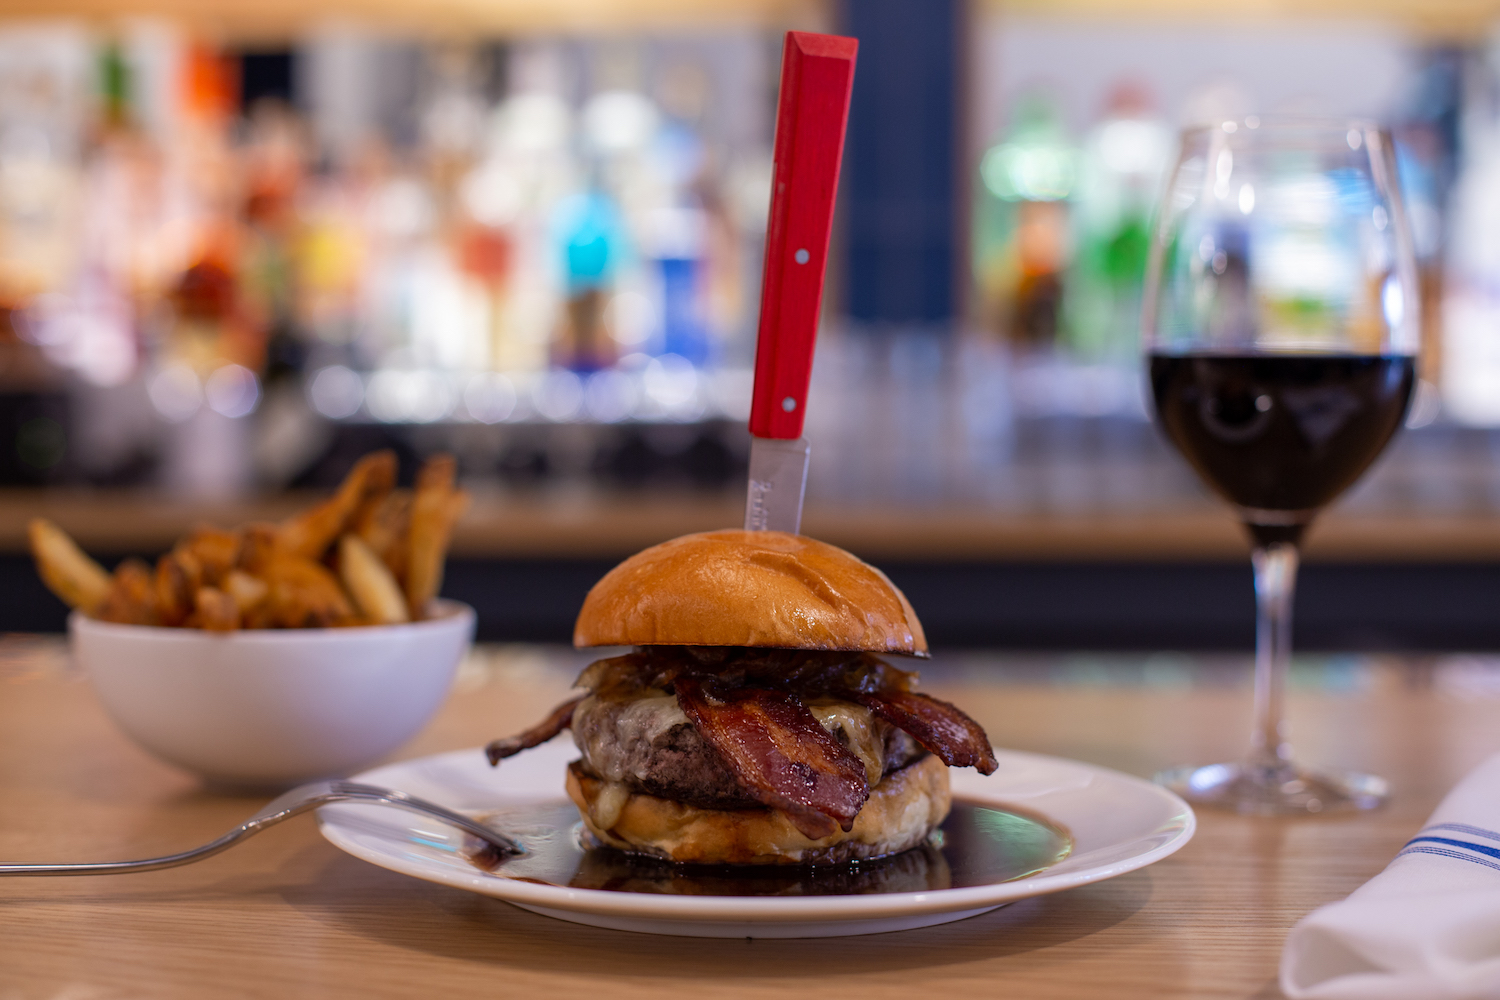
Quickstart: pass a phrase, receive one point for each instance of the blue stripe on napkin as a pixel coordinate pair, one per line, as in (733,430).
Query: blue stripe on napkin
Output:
(1473,831)
(1444,852)
(1493,852)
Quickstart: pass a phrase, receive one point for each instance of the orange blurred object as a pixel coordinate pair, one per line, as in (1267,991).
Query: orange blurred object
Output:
(210,83)
(205,292)
(485,253)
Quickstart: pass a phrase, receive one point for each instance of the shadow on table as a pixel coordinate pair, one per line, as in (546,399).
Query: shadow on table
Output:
(451,923)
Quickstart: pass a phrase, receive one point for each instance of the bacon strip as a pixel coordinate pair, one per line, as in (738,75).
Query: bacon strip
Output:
(560,719)
(940,728)
(779,752)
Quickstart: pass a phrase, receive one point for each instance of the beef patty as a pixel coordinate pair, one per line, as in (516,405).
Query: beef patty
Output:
(649,745)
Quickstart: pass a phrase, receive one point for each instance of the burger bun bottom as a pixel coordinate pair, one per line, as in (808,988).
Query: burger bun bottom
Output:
(901,812)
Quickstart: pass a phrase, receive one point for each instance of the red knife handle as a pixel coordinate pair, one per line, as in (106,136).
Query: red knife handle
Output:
(817,74)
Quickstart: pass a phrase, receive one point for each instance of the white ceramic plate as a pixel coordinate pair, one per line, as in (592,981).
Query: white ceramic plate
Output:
(1118,823)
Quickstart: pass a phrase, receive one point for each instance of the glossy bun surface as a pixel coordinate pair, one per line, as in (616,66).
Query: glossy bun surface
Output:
(749,588)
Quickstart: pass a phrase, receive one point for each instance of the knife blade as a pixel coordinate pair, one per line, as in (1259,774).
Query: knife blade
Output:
(817,75)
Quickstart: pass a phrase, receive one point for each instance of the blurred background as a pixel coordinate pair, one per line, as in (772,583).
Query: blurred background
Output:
(242,244)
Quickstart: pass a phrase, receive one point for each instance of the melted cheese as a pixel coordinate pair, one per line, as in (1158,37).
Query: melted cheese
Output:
(606,809)
(859,730)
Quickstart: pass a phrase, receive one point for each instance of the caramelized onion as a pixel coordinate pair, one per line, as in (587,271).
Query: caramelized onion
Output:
(560,719)
(621,678)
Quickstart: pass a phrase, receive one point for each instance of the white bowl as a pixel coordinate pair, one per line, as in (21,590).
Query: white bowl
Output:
(273,707)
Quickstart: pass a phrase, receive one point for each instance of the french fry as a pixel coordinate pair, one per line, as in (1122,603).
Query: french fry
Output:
(67,572)
(215,610)
(179,574)
(257,546)
(389,561)
(308,534)
(370,583)
(434,509)
(260,617)
(386,532)
(383,528)
(215,549)
(379,480)
(303,594)
(132,596)
(249,592)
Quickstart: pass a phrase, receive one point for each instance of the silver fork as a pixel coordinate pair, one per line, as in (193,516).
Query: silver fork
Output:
(293,803)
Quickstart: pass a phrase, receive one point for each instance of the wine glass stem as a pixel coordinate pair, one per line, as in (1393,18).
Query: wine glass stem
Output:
(1275,581)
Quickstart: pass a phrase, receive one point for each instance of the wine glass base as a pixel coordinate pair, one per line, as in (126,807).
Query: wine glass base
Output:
(1278,790)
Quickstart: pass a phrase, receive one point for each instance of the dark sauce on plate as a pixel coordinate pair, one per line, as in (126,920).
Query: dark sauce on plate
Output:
(976,845)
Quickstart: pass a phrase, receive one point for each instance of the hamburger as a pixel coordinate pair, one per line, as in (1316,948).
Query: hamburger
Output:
(755,722)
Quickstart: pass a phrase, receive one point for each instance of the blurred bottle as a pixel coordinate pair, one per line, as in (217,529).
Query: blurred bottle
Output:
(486,255)
(326,253)
(485,240)
(123,195)
(695,104)
(46,80)
(276,240)
(210,323)
(66,328)
(514,194)
(626,193)
(1021,233)
(452,121)
(214,340)
(114,87)
(723,282)
(591,239)
(1471,350)
(1469,368)
(678,234)
(1120,170)
(1450,85)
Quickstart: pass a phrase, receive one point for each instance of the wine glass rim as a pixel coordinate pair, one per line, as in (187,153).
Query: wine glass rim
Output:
(1285,123)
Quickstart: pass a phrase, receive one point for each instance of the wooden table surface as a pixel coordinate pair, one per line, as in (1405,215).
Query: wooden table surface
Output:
(287,915)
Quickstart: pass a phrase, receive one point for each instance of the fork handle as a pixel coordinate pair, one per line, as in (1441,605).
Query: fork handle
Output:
(293,803)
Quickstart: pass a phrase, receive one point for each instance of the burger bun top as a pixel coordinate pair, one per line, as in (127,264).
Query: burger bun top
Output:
(749,588)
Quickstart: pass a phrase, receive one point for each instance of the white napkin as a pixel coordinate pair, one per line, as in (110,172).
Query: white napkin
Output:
(1426,928)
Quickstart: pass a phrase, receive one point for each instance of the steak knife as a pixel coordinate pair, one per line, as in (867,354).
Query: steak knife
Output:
(817,74)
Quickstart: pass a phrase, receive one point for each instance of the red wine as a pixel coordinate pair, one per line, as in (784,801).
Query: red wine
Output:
(1280,435)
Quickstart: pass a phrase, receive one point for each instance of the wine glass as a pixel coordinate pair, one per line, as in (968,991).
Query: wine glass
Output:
(1280,324)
